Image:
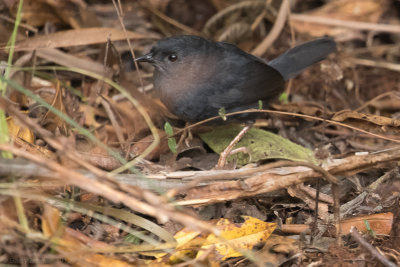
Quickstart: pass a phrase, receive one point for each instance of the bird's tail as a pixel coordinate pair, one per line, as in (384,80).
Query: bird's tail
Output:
(295,60)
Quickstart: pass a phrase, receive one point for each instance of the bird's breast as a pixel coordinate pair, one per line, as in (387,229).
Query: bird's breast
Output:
(183,88)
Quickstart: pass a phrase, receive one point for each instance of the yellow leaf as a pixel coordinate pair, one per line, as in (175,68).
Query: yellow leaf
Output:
(184,239)
(100,260)
(187,240)
(18,131)
(50,221)
(236,238)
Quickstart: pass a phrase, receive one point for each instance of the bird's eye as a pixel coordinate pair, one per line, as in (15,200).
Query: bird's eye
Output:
(172,57)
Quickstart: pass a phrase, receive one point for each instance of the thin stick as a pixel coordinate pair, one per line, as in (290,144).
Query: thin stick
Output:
(224,155)
(295,115)
(158,208)
(22,25)
(374,252)
(171,21)
(336,213)
(315,223)
(118,9)
(275,31)
(377,64)
(379,97)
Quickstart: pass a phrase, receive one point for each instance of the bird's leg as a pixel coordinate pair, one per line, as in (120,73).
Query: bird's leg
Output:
(224,154)
(186,136)
(189,136)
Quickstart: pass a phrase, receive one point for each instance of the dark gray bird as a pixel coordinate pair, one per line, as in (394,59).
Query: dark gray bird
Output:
(196,77)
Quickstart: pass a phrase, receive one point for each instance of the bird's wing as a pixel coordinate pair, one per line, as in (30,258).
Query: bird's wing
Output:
(242,79)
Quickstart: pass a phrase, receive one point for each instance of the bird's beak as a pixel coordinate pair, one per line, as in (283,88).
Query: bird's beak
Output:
(146,58)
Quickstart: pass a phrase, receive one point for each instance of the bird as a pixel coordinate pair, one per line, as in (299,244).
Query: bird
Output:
(195,77)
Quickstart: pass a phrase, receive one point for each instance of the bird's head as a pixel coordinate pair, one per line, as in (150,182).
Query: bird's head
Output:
(170,53)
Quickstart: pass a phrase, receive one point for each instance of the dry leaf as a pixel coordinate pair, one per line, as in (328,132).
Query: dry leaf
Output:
(306,108)
(355,10)
(68,60)
(140,146)
(17,131)
(375,119)
(380,223)
(69,38)
(64,241)
(36,13)
(277,250)
(50,120)
(96,155)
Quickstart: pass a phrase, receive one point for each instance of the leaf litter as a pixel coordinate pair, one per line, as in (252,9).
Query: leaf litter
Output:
(338,118)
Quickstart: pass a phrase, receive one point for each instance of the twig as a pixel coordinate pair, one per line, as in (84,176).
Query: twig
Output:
(315,218)
(357,25)
(113,119)
(22,25)
(377,64)
(295,115)
(275,31)
(336,212)
(268,182)
(377,98)
(171,21)
(158,208)
(313,193)
(119,10)
(373,251)
(224,154)
(348,207)
(210,190)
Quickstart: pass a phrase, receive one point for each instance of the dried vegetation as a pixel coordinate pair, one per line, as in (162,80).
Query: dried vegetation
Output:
(88,172)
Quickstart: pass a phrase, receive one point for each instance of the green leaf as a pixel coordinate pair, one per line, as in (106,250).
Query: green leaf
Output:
(369,229)
(172,144)
(171,140)
(260,145)
(222,113)
(284,98)
(260,104)
(168,129)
